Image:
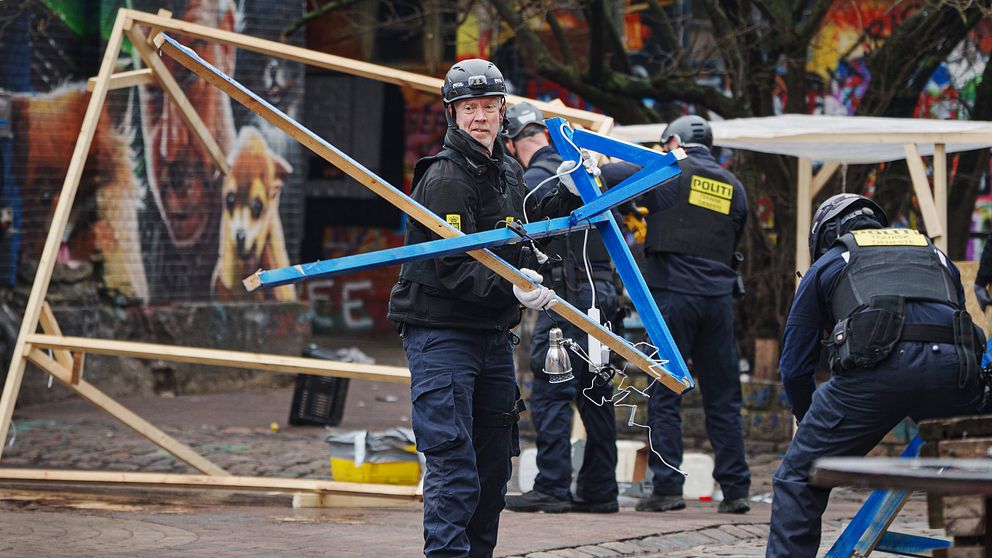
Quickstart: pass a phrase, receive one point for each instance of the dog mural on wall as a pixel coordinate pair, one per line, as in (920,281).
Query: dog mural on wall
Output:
(104,216)
(183,185)
(251,233)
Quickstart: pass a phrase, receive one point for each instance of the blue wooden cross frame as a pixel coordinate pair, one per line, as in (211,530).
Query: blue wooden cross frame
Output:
(671,371)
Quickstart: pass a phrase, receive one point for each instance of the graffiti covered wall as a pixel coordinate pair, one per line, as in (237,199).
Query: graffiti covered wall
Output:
(153,217)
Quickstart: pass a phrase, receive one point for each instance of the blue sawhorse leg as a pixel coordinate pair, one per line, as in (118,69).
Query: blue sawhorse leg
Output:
(868,530)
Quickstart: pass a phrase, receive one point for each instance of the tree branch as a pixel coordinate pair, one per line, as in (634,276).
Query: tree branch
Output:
(312,15)
(563,44)
(900,68)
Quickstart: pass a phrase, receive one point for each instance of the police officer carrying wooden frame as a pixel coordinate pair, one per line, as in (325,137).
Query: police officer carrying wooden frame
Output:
(455,315)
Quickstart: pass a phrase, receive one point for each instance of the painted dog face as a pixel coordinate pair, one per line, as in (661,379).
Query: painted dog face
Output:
(251,195)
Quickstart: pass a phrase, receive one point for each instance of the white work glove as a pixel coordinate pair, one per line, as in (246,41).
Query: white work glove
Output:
(540,298)
(589,162)
(566,178)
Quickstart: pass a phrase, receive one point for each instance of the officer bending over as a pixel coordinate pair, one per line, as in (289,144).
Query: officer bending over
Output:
(454,315)
(899,343)
(550,404)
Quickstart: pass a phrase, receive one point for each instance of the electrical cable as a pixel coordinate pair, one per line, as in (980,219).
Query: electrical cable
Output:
(623,392)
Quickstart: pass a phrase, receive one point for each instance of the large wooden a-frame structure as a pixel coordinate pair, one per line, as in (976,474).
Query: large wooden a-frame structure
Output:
(68,353)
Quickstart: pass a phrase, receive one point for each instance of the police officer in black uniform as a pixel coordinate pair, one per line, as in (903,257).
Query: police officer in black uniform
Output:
(693,228)
(890,306)
(454,315)
(550,404)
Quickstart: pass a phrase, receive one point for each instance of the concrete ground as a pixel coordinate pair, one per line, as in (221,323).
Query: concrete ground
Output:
(234,431)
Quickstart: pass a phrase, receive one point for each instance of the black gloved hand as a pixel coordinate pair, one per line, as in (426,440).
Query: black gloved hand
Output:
(982,294)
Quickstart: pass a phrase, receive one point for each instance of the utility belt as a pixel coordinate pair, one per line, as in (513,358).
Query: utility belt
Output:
(865,339)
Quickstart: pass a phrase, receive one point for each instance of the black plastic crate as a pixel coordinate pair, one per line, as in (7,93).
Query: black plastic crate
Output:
(318,399)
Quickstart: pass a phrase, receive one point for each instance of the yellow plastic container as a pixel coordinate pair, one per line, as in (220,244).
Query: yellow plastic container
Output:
(395,472)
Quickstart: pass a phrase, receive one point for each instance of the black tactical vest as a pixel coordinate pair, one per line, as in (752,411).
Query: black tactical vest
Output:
(496,207)
(698,224)
(890,263)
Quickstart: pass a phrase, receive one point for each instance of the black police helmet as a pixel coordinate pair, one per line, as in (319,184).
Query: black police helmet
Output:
(472,78)
(692,129)
(520,116)
(833,213)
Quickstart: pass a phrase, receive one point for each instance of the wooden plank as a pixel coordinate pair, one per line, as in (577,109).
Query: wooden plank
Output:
(230,482)
(326,500)
(87,391)
(50,326)
(348,66)
(825,173)
(123,80)
(78,362)
(935,430)
(175,92)
(968,448)
(964,516)
(918,174)
(152,31)
(416,211)
(221,357)
(979,139)
(804,201)
(940,190)
(46,262)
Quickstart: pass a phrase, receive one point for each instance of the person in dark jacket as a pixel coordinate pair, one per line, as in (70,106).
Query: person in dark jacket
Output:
(455,315)
(551,403)
(889,307)
(984,276)
(694,225)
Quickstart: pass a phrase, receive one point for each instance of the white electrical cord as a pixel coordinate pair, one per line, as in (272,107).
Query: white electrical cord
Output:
(624,391)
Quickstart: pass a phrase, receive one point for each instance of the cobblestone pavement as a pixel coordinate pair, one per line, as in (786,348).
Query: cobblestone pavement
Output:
(233,430)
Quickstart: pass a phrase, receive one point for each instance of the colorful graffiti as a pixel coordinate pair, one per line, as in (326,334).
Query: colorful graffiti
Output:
(356,302)
(151,208)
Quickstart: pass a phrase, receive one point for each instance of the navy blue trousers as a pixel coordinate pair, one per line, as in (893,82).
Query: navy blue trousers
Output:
(849,415)
(464,390)
(551,410)
(703,329)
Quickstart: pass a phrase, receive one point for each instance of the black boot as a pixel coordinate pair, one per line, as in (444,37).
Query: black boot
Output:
(534,501)
(608,506)
(737,505)
(656,502)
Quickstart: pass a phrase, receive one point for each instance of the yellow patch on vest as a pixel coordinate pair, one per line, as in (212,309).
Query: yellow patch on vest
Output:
(710,194)
(454,219)
(509,218)
(889,237)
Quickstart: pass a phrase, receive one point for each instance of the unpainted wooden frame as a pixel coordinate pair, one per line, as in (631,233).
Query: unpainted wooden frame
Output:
(69,352)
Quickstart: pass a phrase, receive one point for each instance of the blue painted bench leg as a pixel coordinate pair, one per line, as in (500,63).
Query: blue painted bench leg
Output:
(868,530)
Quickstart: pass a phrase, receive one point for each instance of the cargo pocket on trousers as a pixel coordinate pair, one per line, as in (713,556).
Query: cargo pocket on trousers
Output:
(435,423)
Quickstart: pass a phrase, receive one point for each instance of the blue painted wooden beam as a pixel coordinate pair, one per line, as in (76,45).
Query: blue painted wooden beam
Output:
(869,525)
(414,252)
(910,545)
(651,176)
(566,142)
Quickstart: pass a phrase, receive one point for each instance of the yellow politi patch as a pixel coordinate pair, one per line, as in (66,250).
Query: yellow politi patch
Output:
(889,237)
(711,194)
(509,218)
(454,219)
